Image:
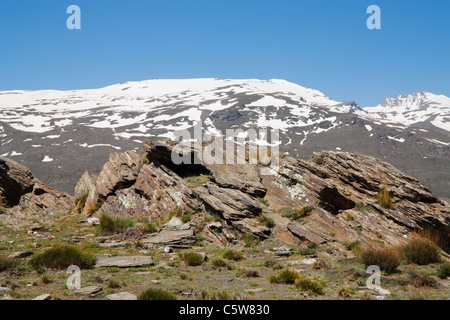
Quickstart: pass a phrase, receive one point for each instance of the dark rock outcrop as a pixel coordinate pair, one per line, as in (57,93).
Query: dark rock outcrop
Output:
(22,193)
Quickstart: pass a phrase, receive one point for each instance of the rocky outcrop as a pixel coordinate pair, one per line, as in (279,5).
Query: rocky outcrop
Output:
(333,183)
(335,195)
(22,193)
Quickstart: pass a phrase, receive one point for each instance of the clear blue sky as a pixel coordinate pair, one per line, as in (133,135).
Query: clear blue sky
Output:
(321,44)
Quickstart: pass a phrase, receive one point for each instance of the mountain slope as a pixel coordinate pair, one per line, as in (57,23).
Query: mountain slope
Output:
(60,134)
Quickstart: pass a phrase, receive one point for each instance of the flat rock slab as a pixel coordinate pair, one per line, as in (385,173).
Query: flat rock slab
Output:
(121,296)
(171,238)
(303,262)
(43,297)
(91,291)
(21,254)
(124,261)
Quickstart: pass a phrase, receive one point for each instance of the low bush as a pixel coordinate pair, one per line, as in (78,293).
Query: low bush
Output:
(234,255)
(114,224)
(193,259)
(312,286)
(61,258)
(384,199)
(386,259)
(353,245)
(7,264)
(444,270)
(156,294)
(285,277)
(296,214)
(422,280)
(420,251)
(361,207)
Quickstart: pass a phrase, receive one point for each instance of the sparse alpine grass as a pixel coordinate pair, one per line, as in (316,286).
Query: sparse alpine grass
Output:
(420,251)
(284,277)
(156,294)
(234,255)
(384,199)
(444,270)
(312,286)
(193,259)
(114,224)
(386,259)
(61,258)
(7,264)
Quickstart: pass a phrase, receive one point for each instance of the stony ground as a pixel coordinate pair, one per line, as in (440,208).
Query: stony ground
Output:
(345,276)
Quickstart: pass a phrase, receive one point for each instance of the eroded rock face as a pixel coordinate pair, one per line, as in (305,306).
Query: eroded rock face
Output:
(333,182)
(22,193)
(331,185)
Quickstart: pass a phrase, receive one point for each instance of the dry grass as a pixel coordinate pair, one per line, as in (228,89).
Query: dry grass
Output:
(386,259)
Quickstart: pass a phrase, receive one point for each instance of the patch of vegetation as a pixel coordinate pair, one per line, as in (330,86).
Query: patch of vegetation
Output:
(220,295)
(192,259)
(350,215)
(362,208)
(113,284)
(234,255)
(296,214)
(3,211)
(318,157)
(420,251)
(187,217)
(61,258)
(422,280)
(199,240)
(312,286)
(250,240)
(345,292)
(268,222)
(250,273)
(284,277)
(114,224)
(80,202)
(386,259)
(354,245)
(444,270)
(384,199)
(156,294)
(151,227)
(263,201)
(7,264)
(197,181)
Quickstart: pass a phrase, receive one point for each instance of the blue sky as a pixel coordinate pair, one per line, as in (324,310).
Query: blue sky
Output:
(321,44)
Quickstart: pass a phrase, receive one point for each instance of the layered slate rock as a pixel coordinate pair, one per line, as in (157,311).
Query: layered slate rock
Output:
(23,193)
(332,183)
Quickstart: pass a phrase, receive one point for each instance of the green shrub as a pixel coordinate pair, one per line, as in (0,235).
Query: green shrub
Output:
(420,251)
(386,259)
(234,255)
(251,273)
(250,240)
(218,263)
(361,207)
(353,245)
(284,276)
(80,202)
(7,264)
(384,199)
(268,222)
(345,292)
(422,280)
(444,270)
(193,259)
(3,211)
(187,217)
(61,258)
(113,284)
(296,214)
(156,294)
(114,224)
(312,286)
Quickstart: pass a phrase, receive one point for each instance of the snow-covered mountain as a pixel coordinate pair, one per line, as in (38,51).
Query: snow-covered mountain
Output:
(60,134)
(420,109)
